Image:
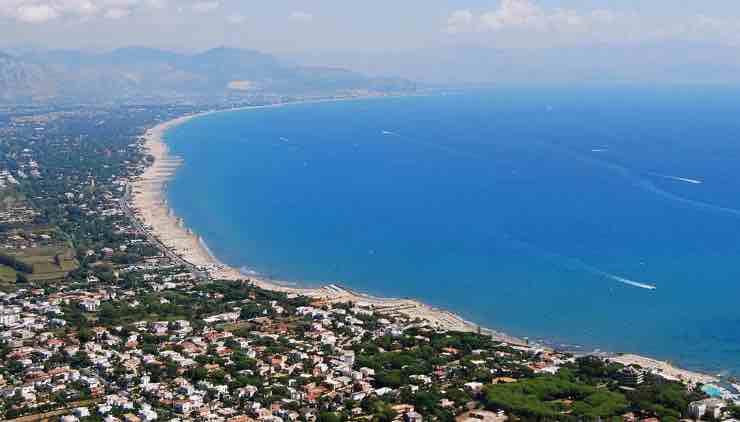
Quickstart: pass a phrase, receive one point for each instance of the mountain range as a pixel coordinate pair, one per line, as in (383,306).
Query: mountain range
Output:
(145,73)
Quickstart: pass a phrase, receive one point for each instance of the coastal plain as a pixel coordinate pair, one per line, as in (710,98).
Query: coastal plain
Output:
(149,201)
(152,209)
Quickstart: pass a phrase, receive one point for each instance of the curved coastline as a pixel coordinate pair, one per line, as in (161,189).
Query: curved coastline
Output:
(151,208)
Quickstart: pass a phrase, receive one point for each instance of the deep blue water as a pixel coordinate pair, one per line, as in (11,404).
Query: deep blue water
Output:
(515,208)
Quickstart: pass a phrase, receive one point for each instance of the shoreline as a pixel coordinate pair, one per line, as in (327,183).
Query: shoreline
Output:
(150,207)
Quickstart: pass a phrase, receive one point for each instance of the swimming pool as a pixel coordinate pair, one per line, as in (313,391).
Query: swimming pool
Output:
(712,390)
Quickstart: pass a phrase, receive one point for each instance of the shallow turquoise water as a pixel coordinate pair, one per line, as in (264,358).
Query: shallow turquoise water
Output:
(539,212)
(712,391)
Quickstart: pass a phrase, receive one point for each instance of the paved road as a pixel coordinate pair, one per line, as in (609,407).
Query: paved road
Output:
(131,214)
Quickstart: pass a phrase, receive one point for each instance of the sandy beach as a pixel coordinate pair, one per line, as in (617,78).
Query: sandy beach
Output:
(664,369)
(149,202)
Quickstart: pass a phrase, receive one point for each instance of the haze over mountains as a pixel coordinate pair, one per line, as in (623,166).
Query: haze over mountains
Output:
(144,73)
(665,62)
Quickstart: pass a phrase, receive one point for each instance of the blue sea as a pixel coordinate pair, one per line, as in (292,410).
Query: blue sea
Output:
(544,212)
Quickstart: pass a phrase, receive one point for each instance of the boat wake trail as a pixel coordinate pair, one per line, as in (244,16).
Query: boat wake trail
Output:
(678,179)
(576,264)
(649,186)
(431,145)
(631,283)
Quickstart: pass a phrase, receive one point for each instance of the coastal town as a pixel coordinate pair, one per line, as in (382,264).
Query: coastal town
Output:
(113,310)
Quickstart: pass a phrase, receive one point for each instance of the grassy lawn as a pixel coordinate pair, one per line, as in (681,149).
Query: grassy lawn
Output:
(43,262)
(10,197)
(7,274)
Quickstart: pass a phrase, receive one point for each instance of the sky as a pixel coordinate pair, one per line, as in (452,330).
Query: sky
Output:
(371,26)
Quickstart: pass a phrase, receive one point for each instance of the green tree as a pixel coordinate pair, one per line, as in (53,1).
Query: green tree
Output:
(328,417)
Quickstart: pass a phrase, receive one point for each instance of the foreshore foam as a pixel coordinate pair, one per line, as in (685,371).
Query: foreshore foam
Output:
(149,202)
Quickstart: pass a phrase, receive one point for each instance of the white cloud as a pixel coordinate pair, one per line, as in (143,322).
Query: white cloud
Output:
(116,14)
(459,21)
(527,15)
(35,13)
(527,23)
(205,6)
(41,11)
(512,13)
(299,16)
(236,19)
(606,16)
(81,7)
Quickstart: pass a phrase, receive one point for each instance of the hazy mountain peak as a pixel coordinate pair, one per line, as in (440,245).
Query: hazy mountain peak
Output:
(142,54)
(236,56)
(134,72)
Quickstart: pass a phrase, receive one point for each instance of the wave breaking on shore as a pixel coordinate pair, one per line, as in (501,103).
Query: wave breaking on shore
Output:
(150,205)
